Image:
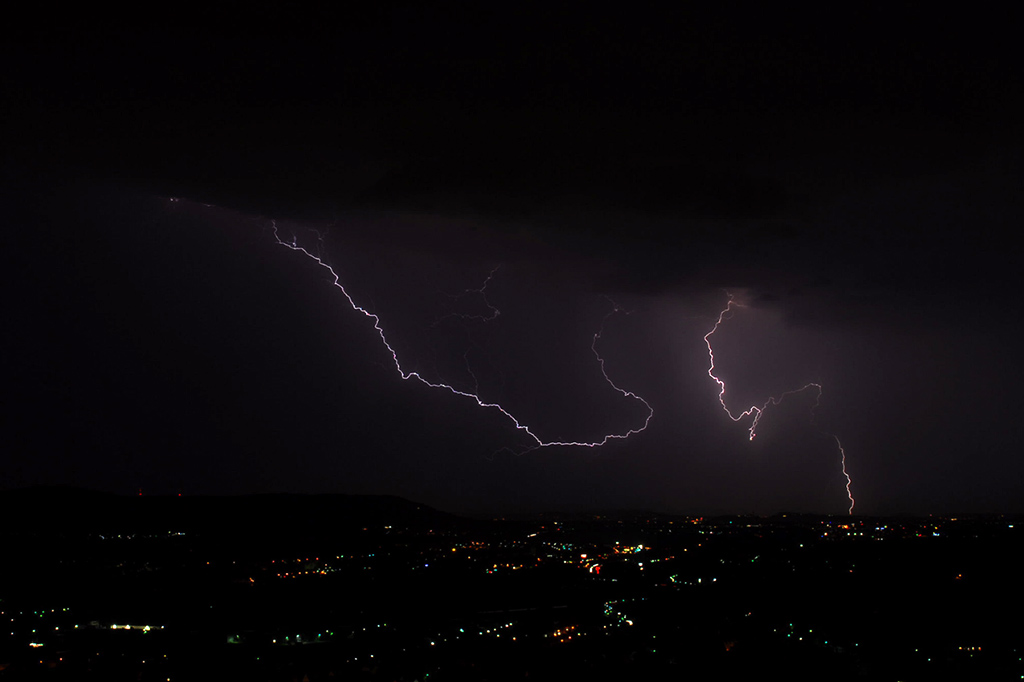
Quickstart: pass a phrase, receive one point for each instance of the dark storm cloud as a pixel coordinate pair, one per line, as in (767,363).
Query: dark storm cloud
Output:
(853,180)
(889,221)
(657,151)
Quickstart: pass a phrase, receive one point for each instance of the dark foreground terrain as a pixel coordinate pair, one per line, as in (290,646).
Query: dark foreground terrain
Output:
(100,587)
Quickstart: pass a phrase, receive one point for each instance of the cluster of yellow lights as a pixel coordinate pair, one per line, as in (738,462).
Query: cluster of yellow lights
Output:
(514,567)
(144,628)
(296,574)
(565,634)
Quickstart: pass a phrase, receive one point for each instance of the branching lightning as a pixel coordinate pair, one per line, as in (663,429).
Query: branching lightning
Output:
(757,412)
(482,291)
(537,441)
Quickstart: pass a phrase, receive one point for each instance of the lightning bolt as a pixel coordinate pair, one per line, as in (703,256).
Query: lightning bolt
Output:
(758,411)
(406,376)
(849,494)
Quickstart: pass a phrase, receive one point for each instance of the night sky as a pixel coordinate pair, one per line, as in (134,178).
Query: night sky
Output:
(854,181)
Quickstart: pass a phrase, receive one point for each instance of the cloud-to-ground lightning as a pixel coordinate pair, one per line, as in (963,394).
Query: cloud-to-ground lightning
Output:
(756,412)
(407,375)
(849,482)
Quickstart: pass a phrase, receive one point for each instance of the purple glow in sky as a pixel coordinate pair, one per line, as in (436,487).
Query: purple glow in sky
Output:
(756,412)
(537,441)
(857,180)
